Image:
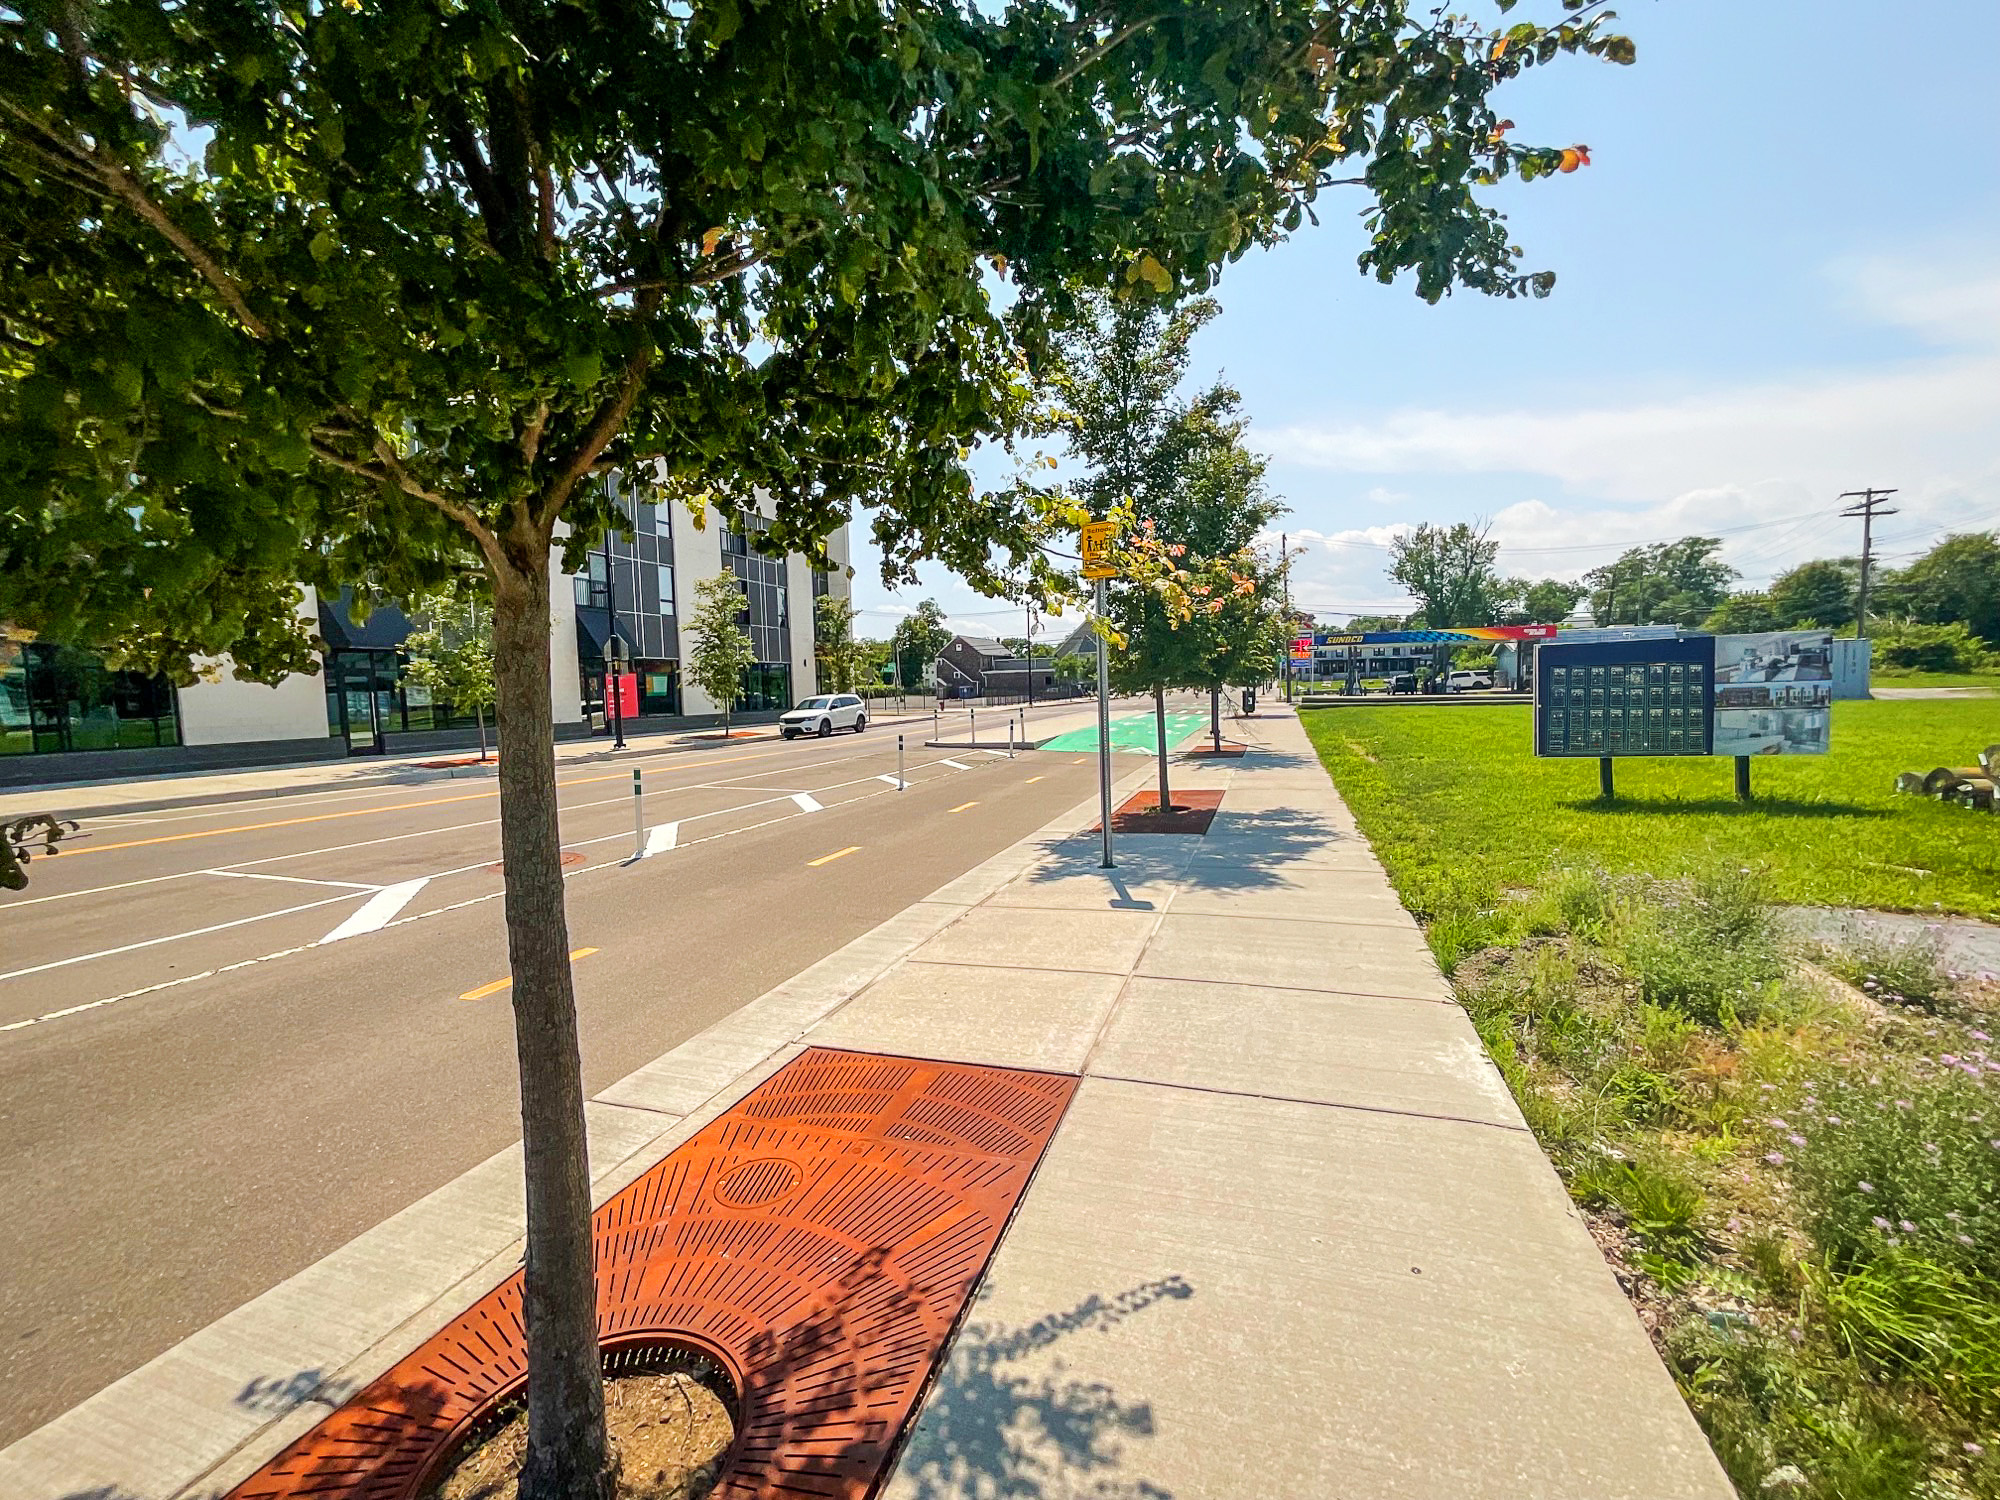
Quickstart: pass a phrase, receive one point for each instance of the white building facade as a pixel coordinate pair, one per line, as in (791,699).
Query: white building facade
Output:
(65,716)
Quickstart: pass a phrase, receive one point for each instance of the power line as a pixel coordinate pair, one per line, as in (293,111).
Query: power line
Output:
(1595,546)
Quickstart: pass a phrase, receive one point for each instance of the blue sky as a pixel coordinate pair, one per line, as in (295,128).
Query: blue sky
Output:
(1778,280)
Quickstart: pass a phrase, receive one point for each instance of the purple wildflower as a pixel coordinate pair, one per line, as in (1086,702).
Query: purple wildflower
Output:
(1777,1158)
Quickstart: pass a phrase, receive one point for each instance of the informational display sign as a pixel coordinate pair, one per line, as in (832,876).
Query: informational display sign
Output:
(1613,698)
(1302,648)
(1734,695)
(1774,693)
(1097,539)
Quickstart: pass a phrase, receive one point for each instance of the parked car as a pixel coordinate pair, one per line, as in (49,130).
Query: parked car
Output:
(823,715)
(1403,682)
(1469,682)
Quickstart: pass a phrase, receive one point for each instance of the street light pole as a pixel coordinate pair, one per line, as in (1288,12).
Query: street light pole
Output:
(1104,733)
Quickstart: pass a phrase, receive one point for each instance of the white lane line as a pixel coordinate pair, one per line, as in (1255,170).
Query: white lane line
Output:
(172,937)
(998,754)
(379,910)
(663,837)
(890,779)
(352,885)
(956,765)
(422,916)
(806,802)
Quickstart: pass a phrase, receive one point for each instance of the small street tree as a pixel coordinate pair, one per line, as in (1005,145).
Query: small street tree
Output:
(370,293)
(920,639)
(450,653)
(719,650)
(841,660)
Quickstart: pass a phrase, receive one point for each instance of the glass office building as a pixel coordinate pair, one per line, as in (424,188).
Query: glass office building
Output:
(56,699)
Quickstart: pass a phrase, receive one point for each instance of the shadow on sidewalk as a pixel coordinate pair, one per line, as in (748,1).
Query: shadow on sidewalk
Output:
(994,1428)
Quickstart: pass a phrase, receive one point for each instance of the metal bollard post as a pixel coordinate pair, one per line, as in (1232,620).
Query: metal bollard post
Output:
(901,785)
(1010,736)
(973,715)
(638,817)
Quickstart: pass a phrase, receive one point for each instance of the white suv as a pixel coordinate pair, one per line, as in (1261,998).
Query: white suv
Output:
(823,715)
(1469,682)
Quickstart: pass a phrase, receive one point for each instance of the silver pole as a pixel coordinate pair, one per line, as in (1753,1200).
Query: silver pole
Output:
(1104,735)
(973,715)
(1010,736)
(901,785)
(638,817)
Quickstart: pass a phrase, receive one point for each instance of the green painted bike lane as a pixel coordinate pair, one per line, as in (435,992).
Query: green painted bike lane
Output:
(1133,733)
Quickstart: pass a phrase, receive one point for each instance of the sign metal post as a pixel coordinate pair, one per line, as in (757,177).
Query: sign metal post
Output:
(1097,539)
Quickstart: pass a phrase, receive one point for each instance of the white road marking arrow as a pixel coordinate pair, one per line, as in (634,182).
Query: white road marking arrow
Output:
(378,911)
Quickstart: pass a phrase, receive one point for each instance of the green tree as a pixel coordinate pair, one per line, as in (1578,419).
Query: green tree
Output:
(1958,580)
(1073,667)
(920,638)
(719,649)
(1664,583)
(1449,569)
(1743,614)
(839,657)
(1546,603)
(1815,593)
(435,269)
(450,652)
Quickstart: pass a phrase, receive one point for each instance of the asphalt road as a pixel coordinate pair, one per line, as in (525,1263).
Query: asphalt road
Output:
(203,1089)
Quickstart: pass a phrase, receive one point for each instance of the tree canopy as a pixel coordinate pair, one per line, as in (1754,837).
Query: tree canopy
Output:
(718,649)
(920,639)
(1661,583)
(1957,581)
(1450,571)
(359,293)
(1815,593)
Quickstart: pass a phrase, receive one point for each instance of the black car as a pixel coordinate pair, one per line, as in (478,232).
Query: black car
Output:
(1403,682)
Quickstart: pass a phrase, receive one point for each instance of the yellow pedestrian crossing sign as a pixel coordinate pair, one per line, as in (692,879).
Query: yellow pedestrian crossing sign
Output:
(1097,539)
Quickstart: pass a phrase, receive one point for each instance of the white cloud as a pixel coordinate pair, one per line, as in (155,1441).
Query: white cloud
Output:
(1759,463)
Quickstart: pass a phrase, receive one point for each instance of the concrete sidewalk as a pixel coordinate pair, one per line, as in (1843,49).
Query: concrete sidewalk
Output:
(1291,1239)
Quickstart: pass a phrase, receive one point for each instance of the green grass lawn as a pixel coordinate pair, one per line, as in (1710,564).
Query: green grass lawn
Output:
(1882,678)
(1463,814)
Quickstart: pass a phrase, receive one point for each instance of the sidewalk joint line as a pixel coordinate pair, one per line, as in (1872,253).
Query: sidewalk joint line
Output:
(1365,1109)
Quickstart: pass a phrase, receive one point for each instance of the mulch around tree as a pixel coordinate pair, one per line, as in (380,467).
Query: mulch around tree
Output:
(670,1431)
(1190,812)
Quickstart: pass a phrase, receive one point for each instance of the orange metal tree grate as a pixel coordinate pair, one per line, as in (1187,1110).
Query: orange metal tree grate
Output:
(819,1239)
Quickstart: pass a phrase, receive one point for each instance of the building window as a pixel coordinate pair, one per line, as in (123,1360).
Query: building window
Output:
(666,588)
(56,698)
(767,687)
(592,591)
(663,521)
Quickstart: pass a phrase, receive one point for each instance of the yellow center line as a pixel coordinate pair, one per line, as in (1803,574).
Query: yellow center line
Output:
(1032,780)
(827,859)
(501,984)
(963,806)
(1081,759)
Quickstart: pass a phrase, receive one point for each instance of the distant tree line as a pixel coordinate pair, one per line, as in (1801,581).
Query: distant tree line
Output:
(1941,612)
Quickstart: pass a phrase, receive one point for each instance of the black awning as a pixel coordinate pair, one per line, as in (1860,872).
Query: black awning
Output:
(386,629)
(593,629)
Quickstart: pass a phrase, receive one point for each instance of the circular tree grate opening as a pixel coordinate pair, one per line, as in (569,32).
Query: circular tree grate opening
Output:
(671,1413)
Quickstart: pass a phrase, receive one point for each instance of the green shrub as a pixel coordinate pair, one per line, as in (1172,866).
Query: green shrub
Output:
(1706,947)
(1904,1314)
(1905,1161)
(1906,646)
(1898,970)
(1660,1201)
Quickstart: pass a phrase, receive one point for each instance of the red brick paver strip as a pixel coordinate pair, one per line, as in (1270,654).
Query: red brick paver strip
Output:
(819,1240)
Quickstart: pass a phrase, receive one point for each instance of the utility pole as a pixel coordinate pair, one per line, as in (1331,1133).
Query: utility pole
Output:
(1867,505)
(1291,620)
(1030,606)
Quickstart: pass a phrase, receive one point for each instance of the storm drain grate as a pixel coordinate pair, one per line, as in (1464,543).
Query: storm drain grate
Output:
(819,1240)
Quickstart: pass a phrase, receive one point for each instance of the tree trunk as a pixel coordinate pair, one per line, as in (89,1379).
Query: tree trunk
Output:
(1215,715)
(1160,729)
(479,717)
(567,1450)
